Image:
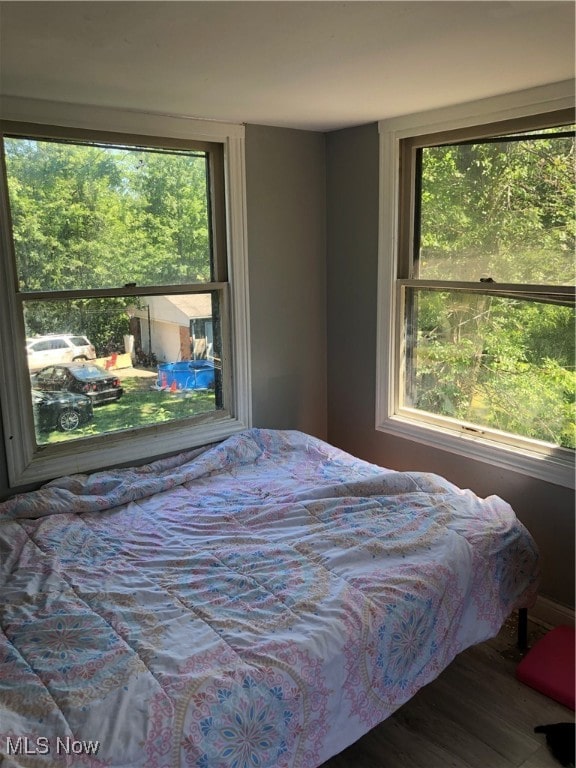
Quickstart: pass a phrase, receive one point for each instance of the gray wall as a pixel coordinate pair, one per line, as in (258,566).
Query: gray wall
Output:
(352,241)
(3,468)
(285,185)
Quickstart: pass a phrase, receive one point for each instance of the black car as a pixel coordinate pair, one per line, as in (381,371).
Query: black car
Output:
(60,410)
(84,378)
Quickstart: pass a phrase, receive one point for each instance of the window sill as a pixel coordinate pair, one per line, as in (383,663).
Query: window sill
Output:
(556,467)
(117,448)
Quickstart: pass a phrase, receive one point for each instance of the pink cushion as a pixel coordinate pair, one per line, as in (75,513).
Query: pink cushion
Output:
(549,665)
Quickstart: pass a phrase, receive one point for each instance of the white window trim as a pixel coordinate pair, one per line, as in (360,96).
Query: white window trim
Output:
(557,466)
(28,463)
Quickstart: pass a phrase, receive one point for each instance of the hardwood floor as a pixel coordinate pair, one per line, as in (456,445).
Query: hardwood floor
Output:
(474,715)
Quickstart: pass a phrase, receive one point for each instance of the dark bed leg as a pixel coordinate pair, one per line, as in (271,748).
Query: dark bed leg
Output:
(523,629)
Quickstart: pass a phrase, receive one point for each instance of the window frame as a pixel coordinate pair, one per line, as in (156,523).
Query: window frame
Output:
(399,139)
(27,462)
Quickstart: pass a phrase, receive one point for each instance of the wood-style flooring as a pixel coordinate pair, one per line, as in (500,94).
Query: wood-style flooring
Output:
(474,715)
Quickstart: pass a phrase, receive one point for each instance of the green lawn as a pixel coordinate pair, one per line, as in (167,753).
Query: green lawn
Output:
(140,406)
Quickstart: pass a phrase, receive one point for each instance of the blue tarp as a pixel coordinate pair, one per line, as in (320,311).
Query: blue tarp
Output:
(186,374)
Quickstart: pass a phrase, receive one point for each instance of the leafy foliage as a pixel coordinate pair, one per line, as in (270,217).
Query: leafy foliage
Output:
(104,321)
(504,210)
(87,217)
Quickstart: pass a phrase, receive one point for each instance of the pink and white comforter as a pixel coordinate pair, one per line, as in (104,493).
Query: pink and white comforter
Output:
(258,604)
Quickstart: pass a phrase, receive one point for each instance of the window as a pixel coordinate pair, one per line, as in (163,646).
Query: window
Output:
(121,250)
(480,347)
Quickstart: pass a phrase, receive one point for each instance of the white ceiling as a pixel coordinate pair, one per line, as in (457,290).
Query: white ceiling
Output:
(312,65)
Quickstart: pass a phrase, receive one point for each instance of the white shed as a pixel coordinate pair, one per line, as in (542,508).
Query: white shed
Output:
(175,327)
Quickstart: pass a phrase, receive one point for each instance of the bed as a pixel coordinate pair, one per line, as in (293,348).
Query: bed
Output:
(259,603)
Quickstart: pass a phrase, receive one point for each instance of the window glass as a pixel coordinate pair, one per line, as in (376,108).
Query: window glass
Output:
(498,362)
(85,371)
(501,210)
(167,364)
(88,216)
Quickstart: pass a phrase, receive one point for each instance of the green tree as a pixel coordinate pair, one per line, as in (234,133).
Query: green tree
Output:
(503,209)
(87,216)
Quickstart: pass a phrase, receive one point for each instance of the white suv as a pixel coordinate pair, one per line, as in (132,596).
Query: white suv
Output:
(57,348)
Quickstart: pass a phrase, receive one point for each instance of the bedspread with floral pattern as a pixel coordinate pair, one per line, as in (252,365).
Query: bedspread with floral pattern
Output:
(261,603)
